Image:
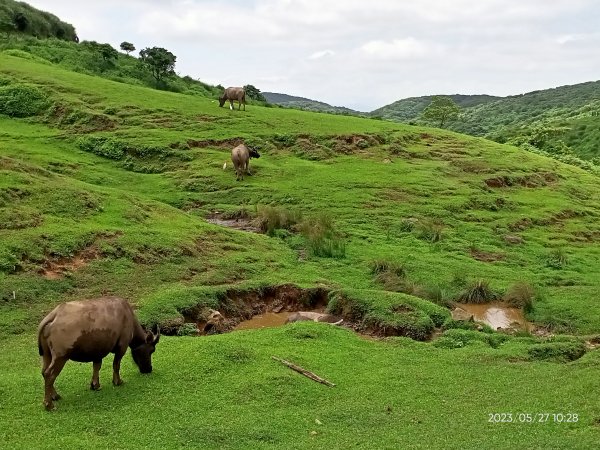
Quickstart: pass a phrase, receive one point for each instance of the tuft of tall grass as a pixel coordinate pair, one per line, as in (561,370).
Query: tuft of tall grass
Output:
(431,231)
(322,238)
(520,295)
(557,259)
(478,291)
(271,218)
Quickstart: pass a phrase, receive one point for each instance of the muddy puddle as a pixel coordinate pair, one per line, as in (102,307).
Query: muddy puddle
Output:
(496,315)
(238,224)
(264,320)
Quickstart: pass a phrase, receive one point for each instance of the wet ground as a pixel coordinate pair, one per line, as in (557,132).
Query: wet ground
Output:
(265,320)
(496,315)
(244,224)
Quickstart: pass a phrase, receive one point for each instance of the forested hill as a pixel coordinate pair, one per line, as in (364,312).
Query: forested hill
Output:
(409,109)
(290,101)
(21,18)
(568,113)
(574,107)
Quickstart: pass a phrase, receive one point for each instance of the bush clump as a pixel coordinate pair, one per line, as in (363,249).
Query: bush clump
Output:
(102,146)
(22,100)
(557,351)
(457,338)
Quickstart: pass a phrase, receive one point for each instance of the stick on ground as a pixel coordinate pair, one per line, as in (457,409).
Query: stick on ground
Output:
(304,372)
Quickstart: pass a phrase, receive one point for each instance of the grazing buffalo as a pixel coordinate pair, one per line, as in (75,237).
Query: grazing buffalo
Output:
(231,94)
(315,317)
(87,331)
(240,156)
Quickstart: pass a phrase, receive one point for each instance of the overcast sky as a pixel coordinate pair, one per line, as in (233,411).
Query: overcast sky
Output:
(362,54)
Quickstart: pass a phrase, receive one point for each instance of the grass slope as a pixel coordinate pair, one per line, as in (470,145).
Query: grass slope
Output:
(122,177)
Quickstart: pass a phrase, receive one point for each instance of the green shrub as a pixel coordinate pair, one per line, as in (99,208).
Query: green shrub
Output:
(187,329)
(456,338)
(102,146)
(22,100)
(8,261)
(557,351)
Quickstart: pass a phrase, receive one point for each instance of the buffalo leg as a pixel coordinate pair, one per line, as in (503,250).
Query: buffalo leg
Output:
(46,360)
(95,384)
(231,105)
(248,168)
(50,374)
(117,381)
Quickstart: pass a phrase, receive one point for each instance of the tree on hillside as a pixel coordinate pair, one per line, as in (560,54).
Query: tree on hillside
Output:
(20,21)
(254,93)
(159,61)
(441,109)
(104,51)
(127,47)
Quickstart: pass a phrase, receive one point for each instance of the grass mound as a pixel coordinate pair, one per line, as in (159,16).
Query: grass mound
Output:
(387,313)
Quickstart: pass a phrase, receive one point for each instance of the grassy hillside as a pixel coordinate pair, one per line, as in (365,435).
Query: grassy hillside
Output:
(88,58)
(105,189)
(290,101)
(19,18)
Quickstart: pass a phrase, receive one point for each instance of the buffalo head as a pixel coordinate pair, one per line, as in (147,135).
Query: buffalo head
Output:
(253,153)
(142,354)
(222,100)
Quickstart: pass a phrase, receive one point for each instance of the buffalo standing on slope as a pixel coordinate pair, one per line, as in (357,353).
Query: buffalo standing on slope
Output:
(87,331)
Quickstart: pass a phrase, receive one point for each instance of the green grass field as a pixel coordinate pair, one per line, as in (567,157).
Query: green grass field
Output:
(106,187)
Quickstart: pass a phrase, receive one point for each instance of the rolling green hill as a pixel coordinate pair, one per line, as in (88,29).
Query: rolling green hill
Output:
(575,107)
(106,188)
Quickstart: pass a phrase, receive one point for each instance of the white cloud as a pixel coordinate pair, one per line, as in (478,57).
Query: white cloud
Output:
(408,48)
(321,54)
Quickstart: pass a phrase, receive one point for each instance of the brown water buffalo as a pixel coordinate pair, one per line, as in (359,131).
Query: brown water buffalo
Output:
(315,317)
(87,331)
(231,94)
(240,156)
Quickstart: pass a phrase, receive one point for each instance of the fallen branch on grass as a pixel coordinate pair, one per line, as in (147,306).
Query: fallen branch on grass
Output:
(304,372)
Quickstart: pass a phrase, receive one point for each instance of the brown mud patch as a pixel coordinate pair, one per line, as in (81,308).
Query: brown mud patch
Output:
(483,256)
(59,267)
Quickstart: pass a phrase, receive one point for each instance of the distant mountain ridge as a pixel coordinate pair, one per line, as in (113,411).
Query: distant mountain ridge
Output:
(291,101)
